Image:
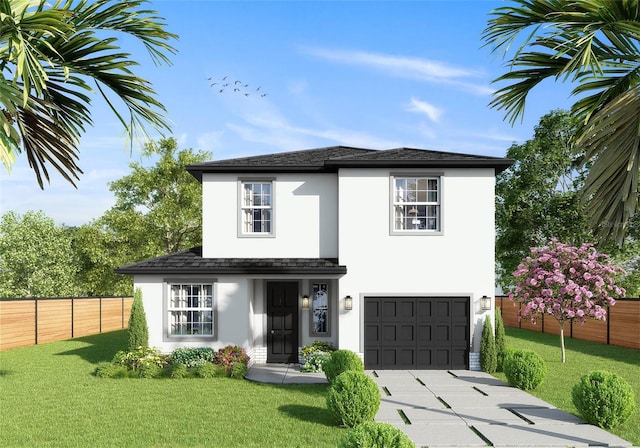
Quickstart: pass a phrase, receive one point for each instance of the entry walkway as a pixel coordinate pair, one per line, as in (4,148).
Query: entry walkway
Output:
(461,409)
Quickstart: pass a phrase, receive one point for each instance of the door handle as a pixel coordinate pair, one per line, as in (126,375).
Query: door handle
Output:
(272,332)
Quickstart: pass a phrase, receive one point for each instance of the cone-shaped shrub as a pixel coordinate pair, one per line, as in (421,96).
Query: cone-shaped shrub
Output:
(341,361)
(353,398)
(603,398)
(138,331)
(376,435)
(501,340)
(488,360)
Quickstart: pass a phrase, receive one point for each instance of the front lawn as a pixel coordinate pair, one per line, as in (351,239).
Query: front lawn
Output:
(50,398)
(582,357)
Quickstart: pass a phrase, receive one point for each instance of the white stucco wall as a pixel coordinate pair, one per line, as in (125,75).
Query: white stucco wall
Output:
(460,261)
(305,217)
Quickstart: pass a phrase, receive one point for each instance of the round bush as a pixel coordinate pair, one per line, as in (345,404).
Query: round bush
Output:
(603,398)
(178,371)
(375,435)
(353,398)
(524,369)
(341,361)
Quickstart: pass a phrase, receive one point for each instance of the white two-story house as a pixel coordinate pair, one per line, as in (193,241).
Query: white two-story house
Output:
(385,253)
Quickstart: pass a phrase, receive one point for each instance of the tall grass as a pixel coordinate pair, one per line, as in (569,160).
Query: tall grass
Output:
(49,398)
(582,357)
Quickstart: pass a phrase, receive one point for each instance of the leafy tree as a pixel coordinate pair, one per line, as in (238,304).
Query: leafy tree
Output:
(488,358)
(566,283)
(158,210)
(595,46)
(138,331)
(35,257)
(50,54)
(537,198)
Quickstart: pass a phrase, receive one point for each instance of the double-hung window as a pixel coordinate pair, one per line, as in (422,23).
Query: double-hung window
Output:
(256,206)
(190,309)
(416,204)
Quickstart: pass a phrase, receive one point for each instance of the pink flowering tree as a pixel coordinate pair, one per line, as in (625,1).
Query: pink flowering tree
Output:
(567,283)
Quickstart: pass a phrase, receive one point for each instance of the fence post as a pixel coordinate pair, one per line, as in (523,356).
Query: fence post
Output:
(72,316)
(100,299)
(36,323)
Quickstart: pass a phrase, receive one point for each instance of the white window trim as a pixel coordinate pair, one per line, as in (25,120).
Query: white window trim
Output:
(166,310)
(392,203)
(241,207)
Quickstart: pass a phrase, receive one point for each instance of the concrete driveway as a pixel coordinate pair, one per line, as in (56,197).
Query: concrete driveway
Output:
(461,408)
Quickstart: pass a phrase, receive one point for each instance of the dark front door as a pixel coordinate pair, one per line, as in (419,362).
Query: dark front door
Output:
(416,332)
(282,322)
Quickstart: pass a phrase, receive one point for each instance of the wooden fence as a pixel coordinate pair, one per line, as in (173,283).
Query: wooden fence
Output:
(32,321)
(622,326)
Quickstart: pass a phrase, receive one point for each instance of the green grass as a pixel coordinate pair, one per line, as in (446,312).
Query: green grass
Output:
(50,398)
(582,357)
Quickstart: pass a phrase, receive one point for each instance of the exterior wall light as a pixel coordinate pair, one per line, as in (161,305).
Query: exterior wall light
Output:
(348,303)
(305,302)
(485,303)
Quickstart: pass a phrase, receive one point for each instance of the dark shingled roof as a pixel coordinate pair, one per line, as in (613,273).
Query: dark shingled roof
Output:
(191,262)
(332,158)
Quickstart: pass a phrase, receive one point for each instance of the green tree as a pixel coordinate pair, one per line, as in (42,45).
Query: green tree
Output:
(50,55)
(488,360)
(36,258)
(158,210)
(537,198)
(501,340)
(593,44)
(138,331)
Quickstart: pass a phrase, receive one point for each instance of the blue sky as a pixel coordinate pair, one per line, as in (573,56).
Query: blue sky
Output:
(367,74)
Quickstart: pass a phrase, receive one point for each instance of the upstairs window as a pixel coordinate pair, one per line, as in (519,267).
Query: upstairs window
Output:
(416,204)
(257,208)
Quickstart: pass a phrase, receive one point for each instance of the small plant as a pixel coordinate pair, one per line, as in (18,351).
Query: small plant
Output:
(342,361)
(353,398)
(603,398)
(488,360)
(178,371)
(138,332)
(317,346)
(207,371)
(192,357)
(501,340)
(524,369)
(314,362)
(139,358)
(111,370)
(375,435)
(239,370)
(230,355)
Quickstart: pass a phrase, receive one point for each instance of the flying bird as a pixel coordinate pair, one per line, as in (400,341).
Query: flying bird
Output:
(239,86)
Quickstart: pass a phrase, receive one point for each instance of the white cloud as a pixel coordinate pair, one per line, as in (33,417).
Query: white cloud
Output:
(425,108)
(425,70)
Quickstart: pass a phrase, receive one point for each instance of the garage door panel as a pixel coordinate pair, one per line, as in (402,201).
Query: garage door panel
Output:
(416,332)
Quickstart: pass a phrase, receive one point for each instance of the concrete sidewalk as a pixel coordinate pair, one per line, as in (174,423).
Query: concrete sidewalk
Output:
(461,408)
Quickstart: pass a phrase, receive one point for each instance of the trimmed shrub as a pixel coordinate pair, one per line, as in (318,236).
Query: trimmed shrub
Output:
(488,360)
(376,435)
(138,332)
(524,369)
(317,346)
(230,355)
(603,398)
(192,357)
(341,361)
(314,362)
(353,398)
(501,340)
